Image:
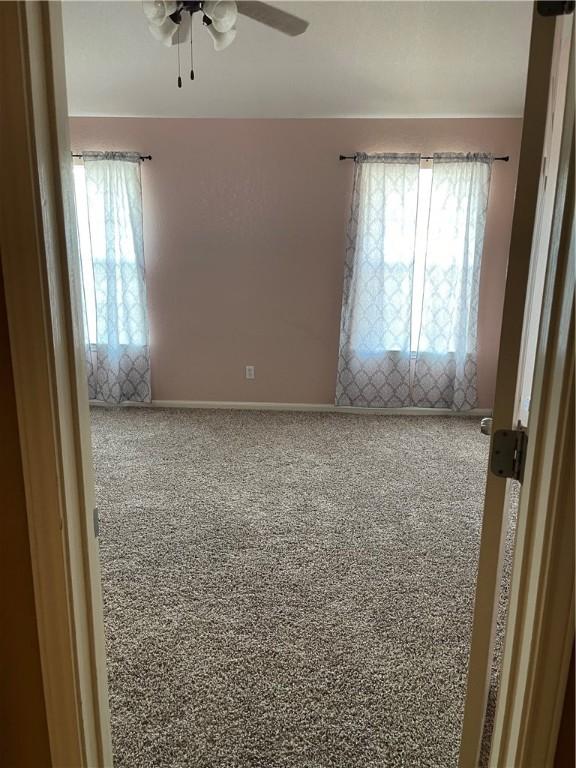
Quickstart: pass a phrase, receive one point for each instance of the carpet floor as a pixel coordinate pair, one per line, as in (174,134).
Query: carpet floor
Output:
(287,590)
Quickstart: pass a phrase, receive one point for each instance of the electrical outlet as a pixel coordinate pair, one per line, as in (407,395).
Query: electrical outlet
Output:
(250,372)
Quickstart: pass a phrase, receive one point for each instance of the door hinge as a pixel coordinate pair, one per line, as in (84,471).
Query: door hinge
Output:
(96,522)
(508,455)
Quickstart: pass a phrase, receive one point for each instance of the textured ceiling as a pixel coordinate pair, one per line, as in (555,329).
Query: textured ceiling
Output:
(357,59)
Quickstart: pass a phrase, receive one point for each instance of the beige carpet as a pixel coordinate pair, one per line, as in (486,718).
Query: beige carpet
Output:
(286,589)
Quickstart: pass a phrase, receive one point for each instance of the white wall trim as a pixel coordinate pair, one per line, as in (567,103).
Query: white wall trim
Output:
(301,407)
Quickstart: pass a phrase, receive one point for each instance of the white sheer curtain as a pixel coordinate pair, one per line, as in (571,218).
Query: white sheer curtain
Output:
(407,341)
(374,361)
(109,207)
(446,348)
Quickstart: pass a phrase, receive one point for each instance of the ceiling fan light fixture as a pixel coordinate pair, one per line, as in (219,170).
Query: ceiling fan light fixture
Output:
(223,14)
(165,32)
(170,21)
(221,40)
(169,33)
(157,11)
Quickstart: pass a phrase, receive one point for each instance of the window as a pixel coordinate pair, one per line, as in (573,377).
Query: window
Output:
(409,256)
(416,229)
(84,236)
(424,195)
(109,259)
(411,282)
(110,233)
(395,209)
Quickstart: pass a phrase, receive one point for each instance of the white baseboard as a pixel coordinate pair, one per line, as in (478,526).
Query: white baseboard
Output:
(310,407)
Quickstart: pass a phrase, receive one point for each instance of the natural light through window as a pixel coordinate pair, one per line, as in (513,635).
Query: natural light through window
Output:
(89,295)
(424,193)
(397,254)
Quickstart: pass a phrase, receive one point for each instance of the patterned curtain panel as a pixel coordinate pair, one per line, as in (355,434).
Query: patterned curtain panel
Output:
(445,365)
(109,206)
(374,360)
(411,282)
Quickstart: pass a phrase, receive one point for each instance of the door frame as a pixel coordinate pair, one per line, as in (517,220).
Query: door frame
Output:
(38,235)
(539,643)
(496,501)
(545,210)
(40,270)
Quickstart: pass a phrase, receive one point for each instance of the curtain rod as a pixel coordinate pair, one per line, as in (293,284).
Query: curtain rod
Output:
(504,158)
(142,157)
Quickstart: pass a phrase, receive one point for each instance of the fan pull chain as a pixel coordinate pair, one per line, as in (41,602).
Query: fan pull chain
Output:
(178,48)
(191,49)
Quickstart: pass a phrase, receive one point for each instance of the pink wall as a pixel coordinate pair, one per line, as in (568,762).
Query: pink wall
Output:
(244,241)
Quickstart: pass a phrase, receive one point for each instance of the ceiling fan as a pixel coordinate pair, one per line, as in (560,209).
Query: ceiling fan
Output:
(170,21)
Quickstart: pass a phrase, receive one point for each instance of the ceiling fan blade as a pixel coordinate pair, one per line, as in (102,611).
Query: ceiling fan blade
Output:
(273,17)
